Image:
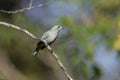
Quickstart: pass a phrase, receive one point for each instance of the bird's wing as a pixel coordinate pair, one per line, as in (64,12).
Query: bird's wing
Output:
(45,35)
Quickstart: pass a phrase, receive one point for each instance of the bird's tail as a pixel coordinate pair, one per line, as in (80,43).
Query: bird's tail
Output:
(35,52)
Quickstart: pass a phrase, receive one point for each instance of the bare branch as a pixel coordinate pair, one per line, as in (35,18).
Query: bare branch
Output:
(58,60)
(18,28)
(25,9)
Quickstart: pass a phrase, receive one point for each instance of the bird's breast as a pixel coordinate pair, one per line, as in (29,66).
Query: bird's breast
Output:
(52,37)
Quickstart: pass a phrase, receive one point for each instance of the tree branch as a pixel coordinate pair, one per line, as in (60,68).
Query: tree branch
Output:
(58,60)
(25,9)
(51,51)
(18,28)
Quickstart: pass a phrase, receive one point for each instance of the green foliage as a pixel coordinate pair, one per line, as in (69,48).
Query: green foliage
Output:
(104,24)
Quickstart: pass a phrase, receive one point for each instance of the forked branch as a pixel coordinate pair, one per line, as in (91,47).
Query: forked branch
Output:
(25,9)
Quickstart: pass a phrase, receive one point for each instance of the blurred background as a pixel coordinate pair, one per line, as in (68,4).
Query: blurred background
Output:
(89,46)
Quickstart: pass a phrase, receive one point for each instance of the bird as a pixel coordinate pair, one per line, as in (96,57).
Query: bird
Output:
(50,36)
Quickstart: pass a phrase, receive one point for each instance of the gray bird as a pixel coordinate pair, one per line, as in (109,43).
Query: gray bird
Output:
(49,36)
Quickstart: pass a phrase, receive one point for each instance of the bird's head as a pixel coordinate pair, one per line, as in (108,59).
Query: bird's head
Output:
(57,28)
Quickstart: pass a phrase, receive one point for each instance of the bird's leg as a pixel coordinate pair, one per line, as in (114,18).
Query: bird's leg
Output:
(51,50)
(46,44)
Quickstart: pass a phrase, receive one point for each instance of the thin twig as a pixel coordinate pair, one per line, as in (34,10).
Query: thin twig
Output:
(31,2)
(18,28)
(25,9)
(58,60)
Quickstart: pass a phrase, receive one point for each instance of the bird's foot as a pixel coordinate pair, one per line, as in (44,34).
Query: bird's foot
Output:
(51,51)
